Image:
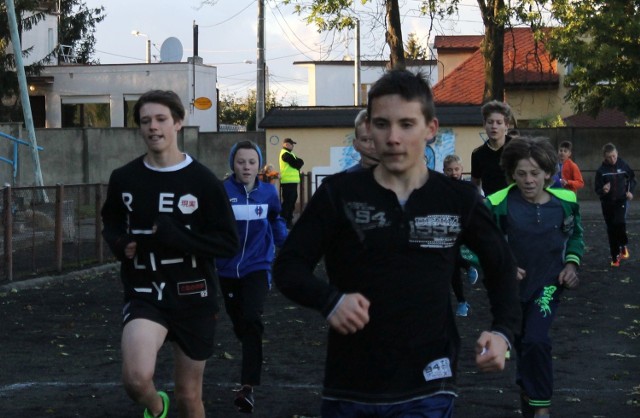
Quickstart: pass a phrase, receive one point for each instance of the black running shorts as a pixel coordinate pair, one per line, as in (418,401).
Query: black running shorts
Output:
(194,333)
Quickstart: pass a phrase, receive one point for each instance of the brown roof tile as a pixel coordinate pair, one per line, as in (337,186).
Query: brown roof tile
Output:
(607,118)
(457,42)
(527,64)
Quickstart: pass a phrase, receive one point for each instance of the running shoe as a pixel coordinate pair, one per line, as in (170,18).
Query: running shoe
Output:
(624,253)
(462,309)
(244,399)
(616,262)
(472,275)
(165,407)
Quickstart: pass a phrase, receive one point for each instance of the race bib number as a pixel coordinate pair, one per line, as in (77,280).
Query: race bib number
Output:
(437,369)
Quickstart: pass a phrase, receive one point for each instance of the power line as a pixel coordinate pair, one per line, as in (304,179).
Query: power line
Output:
(119,56)
(229,18)
(285,32)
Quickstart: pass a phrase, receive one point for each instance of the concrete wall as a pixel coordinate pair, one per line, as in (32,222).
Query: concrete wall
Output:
(74,156)
(449,61)
(313,146)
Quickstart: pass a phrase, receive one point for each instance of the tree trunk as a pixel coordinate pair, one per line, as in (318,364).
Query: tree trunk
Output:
(394,35)
(493,49)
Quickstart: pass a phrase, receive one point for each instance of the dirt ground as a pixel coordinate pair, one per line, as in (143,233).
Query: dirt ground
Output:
(60,349)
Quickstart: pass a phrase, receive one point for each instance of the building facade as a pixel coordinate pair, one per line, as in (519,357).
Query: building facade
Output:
(332,83)
(101,96)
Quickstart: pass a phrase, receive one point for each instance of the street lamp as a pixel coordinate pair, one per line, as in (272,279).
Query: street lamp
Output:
(138,33)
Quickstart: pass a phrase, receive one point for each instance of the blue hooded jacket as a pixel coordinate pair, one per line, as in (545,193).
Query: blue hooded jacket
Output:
(260,228)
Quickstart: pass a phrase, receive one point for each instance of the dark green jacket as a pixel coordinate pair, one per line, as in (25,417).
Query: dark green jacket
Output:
(572,224)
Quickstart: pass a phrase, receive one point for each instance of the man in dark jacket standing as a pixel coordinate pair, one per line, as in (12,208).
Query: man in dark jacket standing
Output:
(290,166)
(615,183)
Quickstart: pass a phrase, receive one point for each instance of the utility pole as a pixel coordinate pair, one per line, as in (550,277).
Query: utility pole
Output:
(24,95)
(260,82)
(148,54)
(356,84)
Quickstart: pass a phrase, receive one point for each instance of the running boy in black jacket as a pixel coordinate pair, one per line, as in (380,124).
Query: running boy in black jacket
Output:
(390,237)
(166,217)
(615,183)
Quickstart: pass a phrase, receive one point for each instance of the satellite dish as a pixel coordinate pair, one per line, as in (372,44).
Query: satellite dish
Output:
(171,50)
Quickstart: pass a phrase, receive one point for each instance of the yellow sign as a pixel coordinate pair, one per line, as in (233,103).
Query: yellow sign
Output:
(202,103)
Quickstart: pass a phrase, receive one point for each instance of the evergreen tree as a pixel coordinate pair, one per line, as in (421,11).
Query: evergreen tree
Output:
(413,50)
(77,28)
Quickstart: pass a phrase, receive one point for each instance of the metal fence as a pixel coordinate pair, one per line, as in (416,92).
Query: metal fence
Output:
(51,230)
(57,229)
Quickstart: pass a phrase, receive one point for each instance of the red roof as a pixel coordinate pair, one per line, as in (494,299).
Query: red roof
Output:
(458,42)
(527,65)
(608,118)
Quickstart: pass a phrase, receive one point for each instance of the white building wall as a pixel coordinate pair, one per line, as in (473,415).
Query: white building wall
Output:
(332,83)
(113,83)
(43,38)
(334,86)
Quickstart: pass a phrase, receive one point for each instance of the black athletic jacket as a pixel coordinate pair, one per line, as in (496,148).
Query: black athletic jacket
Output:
(620,176)
(402,260)
(173,268)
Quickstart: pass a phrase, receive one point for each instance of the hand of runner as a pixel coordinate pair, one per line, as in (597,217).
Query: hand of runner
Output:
(568,277)
(351,314)
(130,250)
(491,352)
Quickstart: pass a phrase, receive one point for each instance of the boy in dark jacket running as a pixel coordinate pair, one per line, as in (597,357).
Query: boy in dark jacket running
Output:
(166,217)
(544,230)
(390,237)
(615,183)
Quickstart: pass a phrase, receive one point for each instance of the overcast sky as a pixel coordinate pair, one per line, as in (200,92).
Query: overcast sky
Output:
(228,37)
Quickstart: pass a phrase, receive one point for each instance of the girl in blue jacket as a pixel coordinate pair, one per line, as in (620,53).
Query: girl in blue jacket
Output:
(246,277)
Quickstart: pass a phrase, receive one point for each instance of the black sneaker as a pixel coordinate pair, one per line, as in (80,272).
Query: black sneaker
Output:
(244,399)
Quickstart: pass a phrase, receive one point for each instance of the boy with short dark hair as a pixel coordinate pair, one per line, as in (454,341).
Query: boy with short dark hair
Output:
(569,176)
(389,237)
(166,217)
(486,172)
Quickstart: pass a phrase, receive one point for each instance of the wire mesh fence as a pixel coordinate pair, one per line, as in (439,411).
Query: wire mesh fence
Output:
(51,230)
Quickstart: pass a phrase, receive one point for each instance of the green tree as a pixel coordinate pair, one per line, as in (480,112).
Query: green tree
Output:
(600,41)
(555,121)
(29,14)
(241,111)
(77,26)
(413,50)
